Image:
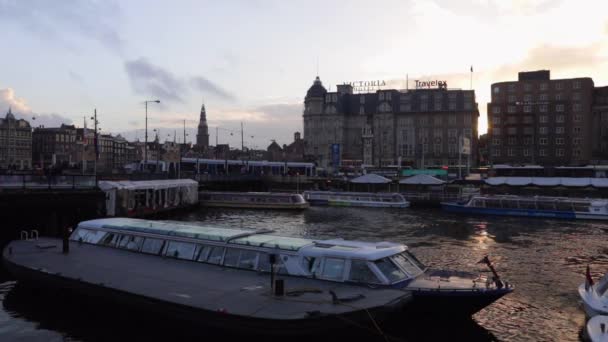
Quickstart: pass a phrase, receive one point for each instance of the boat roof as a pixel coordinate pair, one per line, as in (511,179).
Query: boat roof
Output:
(149,184)
(595,201)
(250,237)
(251,193)
(349,193)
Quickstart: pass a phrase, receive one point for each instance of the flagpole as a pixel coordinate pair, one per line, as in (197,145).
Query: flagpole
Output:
(471,77)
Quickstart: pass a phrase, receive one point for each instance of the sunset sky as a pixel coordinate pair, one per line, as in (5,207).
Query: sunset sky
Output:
(253,60)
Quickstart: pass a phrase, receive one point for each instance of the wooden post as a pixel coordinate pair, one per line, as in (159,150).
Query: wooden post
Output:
(66,240)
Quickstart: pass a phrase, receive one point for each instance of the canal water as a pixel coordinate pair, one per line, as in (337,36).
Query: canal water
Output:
(544,259)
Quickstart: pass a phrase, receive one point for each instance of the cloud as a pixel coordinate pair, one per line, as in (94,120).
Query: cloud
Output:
(149,79)
(153,80)
(22,111)
(59,20)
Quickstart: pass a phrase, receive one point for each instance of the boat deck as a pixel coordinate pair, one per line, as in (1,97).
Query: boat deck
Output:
(192,284)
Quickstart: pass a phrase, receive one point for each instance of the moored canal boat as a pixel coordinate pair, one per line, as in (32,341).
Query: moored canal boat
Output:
(532,206)
(356,199)
(594,296)
(146,246)
(597,329)
(252,200)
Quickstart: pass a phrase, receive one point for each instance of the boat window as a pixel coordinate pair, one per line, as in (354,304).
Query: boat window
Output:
(110,240)
(231,257)
(88,235)
(546,205)
(360,272)
(152,246)
(308,263)
(333,268)
(406,264)
(204,253)
(180,250)
(415,260)
(131,242)
(602,286)
(247,260)
(264,264)
(215,255)
(390,270)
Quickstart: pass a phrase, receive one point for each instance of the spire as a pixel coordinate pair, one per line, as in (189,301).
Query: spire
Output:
(203,115)
(10,110)
(10,115)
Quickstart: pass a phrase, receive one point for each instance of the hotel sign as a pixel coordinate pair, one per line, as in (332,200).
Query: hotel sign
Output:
(366,86)
(431,84)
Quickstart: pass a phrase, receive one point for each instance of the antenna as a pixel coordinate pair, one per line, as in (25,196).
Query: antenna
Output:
(317,65)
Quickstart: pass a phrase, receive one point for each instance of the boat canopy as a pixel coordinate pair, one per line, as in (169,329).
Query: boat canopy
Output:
(370,178)
(422,180)
(150,184)
(549,181)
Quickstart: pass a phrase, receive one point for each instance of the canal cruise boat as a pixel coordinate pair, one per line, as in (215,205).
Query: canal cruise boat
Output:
(140,246)
(532,206)
(252,200)
(356,199)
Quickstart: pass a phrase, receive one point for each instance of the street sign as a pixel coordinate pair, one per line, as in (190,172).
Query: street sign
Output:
(465,145)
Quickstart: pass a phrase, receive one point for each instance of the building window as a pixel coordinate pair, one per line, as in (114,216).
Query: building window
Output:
(543,119)
(467,132)
(576,152)
(496,110)
(405,107)
(559,141)
(423,121)
(496,141)
(452,119)
(576,141)
(559,86)
(437,105)
(543,97)
(511,88)
(512,130)
(576,96)
(438,133)
(496,120)
(578,118)
(576,84)
(468,105)
(388,96)
(362,99)
(560,118)
(544,86)
(543,130)
(558,97)
(528,119)
(559,152)
(496,153)
(542,152)
(543,141)
(381,96)
(512,141)
(511,152)
(577,130)
(511,109)
(512,98)
(424,107)
(496,131)
(559,130)
(362,110)
(543,108)
(452,106)
(496,90)
(527,87)
(512,119)
(577,107)
(527,98)
(527,141)
(526,152)
(437,149)
(559,108)
(527,109)
(452,133)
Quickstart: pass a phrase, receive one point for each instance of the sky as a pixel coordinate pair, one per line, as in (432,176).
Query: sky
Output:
(252,61)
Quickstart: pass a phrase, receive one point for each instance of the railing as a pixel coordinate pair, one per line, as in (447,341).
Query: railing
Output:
(47,182)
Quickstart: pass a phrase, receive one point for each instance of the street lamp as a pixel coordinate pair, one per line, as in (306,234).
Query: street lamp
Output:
(157,130)
(146,135)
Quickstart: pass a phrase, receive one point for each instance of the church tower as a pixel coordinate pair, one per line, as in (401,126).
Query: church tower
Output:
(202,136)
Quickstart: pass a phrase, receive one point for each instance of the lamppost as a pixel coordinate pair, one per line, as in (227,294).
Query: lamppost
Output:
(96,142)
(146,135)
(157,130)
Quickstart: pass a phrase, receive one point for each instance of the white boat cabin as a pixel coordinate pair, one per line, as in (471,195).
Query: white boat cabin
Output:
(586,205)
(380,263)
(251,197)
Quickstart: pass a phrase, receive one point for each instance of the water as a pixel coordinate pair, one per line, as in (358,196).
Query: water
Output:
(544,259)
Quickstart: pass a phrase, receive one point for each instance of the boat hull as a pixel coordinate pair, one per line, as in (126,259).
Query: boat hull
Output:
(336,203)
(244,205)
(449,304)
(463,209)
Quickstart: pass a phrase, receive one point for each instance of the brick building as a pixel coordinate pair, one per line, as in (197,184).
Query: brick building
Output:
(15,143)
(537,120)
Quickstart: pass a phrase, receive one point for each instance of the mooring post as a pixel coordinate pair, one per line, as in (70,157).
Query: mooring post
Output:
(66,240)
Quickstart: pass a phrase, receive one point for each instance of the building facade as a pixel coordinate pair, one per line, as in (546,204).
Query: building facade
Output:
(15,143)
(202,136)
(600,125)
(54,147)
(420,128)
(537,120)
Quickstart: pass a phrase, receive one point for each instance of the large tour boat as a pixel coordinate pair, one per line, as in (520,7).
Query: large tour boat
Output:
(253,200)
(356,199)
(115,252)
(534,206)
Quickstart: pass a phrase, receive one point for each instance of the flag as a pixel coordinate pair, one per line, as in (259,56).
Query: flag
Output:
(471,68)
(588,279)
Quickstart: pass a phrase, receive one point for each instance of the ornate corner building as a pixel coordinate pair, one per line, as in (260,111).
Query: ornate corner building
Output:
(419,128)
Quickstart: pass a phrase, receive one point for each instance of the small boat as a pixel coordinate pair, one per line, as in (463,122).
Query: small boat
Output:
(594,296)
(597,329)
(356,199)
(237,281)
(253,200)
(535,206)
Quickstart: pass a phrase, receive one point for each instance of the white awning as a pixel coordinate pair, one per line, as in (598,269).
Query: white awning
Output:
(422,180)
(549,181)
(370,178)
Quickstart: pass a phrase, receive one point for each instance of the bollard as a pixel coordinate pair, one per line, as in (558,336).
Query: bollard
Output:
(66,241)
(279,287)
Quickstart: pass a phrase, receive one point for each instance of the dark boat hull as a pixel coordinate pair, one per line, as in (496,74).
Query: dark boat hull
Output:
(452,304)
(221,322)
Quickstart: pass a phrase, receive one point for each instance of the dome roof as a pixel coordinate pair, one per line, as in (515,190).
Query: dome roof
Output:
(317,89)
